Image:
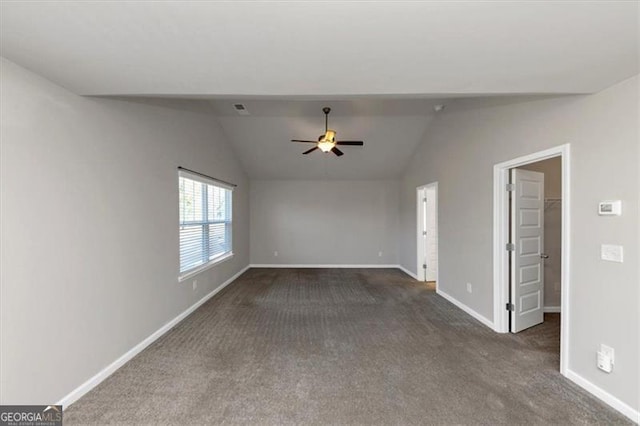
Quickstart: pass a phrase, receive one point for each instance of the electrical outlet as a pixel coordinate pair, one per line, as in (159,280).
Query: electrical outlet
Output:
(605,358)
(195,285)
(469,288)
(275,253)
(608,351)
(379,254)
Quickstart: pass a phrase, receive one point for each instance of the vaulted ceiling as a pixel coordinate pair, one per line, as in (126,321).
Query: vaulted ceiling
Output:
(391,130)
(381,66)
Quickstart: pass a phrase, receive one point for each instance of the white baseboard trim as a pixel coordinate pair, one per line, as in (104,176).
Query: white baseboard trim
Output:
(408,272)
(552,309)
(81,390)
(465,308)
(605,396)
(300,265)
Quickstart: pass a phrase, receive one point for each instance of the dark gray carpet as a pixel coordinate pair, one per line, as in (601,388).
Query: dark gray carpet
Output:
(347,346)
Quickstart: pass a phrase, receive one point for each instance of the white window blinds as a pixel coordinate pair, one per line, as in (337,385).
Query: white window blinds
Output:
(205,221)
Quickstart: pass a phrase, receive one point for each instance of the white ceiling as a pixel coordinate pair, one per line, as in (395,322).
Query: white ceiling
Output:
(324,48)
(381,66)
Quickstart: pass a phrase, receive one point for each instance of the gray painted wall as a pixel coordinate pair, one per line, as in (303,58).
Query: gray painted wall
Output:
(552,169)
(89,229)
(460,149)
(324,222)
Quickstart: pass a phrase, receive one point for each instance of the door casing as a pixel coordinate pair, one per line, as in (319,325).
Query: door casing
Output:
(501,238)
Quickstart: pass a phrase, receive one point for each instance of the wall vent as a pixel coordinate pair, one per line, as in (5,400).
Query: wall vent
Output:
(241,109)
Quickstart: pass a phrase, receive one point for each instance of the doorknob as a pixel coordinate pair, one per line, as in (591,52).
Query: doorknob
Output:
(544,256)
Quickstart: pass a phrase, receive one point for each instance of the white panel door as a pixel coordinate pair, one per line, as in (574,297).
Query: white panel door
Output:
(425,240)
(527,234)
(432,235)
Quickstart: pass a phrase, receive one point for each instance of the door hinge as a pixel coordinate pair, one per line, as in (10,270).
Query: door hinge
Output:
(511,187)
(424,266)
(510,247)
(424,232)
(424,200)
(510,307)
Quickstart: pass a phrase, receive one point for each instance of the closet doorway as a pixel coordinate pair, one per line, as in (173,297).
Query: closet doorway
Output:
(551,220)
(427,238)
(531,246)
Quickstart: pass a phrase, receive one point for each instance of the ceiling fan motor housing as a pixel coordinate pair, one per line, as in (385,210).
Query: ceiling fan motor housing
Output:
(327,142)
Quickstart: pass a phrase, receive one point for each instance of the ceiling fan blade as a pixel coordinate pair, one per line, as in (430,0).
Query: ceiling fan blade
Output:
(354,143)
(310,150)
(300,140)
(336,151)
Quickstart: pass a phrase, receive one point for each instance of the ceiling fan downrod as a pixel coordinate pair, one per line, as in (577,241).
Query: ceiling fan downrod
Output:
(326,111)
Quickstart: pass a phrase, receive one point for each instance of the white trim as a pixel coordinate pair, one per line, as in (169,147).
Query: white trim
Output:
(408,272)
(500,258)
(305,265)
(81,390)
(421,273)
(565,258)
(195,271)
(500,238)
(552,309)
(603,395)
(299,265)
(465,308)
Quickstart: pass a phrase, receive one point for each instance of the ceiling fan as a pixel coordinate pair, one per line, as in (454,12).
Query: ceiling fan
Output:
(327,142)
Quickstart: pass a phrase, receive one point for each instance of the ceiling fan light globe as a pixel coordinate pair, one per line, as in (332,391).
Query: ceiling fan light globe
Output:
(326,146)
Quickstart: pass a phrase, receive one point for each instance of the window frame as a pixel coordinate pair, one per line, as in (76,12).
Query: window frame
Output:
(205,223)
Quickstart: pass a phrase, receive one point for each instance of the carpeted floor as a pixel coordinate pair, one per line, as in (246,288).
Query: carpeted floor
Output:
(340,346)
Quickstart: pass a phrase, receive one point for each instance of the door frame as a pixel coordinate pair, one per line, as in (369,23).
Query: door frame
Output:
(501,238)
(420,271)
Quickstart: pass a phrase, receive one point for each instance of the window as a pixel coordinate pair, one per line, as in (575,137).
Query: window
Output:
(205,222)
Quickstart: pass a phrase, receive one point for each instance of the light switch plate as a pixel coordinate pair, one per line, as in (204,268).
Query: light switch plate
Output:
(611,252)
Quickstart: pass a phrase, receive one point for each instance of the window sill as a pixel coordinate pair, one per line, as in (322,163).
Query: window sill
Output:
(204,267)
